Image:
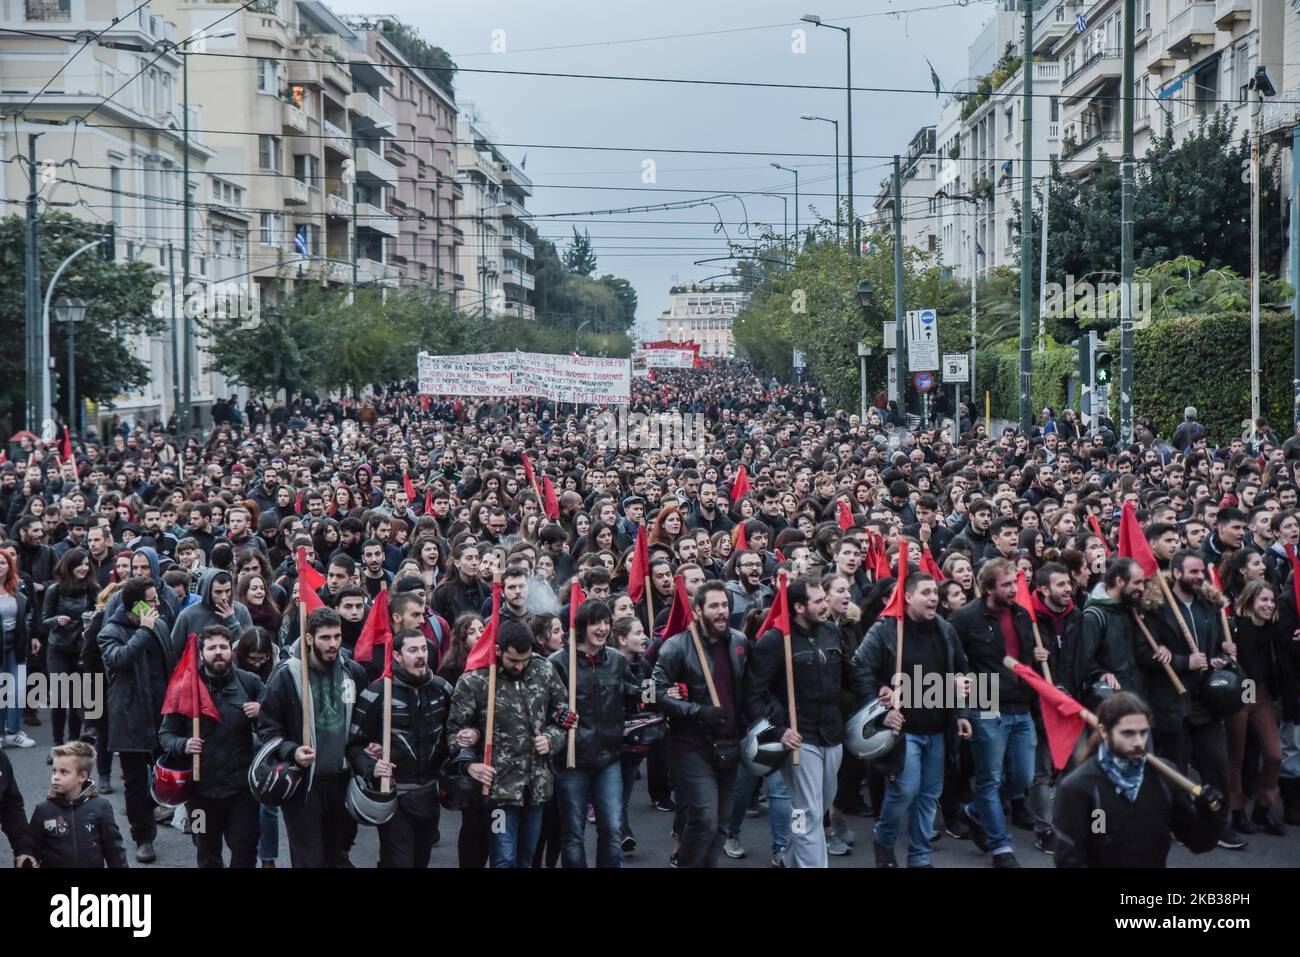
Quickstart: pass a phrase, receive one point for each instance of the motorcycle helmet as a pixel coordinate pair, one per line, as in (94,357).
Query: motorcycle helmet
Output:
(762,750)
(369,805)
(272,780)
(865,734)
(1221,692)
(641,732)
(171,786)
(456,789)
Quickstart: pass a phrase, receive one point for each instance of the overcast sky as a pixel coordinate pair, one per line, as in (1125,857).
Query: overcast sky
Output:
(891,41)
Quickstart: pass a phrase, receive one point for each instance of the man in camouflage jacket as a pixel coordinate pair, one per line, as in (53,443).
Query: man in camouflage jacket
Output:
(530,725)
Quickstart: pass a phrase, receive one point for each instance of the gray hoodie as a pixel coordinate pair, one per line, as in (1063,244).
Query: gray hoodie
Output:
(194,618)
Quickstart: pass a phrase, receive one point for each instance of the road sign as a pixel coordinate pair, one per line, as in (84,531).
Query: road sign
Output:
(922,340)
(798,360)
(893,376)
(888,339)
(864,349)
(956,367)
(924,381)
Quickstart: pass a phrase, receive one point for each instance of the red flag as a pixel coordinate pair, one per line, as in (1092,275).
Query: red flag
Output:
(896,604)
(410,488)
(428,499)
(742,540)
(378,629)
(929,565)
(1023,597)
(1096,528)
(778,616)
(310,582)
(780,555)
(1295,573)
(550,501)
(1062,716)
(845,515)
(640,566)
(576,598)
(1133,544)
(186,692)
(484,651)
(297,502)
(65,446)
(679,615)
(455,408)
(740,487)
(528,471)
(1218,583)
(424,403)
(880,558)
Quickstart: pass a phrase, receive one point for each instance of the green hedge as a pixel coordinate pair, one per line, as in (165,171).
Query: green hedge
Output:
(998,372)
(1205,361)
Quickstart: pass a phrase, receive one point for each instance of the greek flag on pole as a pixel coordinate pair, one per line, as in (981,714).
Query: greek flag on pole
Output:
(300,240)
(1080,22)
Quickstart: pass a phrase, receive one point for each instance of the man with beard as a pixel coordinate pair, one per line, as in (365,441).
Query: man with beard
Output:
(707,515)
(930,647)
(374,577)
(702,735)
(660,590)
(222,800)
(747,590)
(1110,634)
(315,818)
(420,745)
(1141,809)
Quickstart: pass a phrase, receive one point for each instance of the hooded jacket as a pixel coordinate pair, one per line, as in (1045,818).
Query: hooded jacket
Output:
(139,662)
(1107,643)
(78,832)
(197,616)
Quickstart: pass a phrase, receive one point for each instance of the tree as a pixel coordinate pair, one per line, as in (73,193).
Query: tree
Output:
(578,257)
(119,299)
(626,297)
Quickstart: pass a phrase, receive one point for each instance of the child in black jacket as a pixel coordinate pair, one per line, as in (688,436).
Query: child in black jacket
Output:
(74,827)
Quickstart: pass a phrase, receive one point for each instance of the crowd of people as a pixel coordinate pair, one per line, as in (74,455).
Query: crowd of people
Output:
(669,669)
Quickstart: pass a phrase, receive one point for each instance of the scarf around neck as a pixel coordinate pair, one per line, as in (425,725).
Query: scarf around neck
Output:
(1126,775)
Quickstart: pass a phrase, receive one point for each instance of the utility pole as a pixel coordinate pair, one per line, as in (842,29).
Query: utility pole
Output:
(1027,234)
(176,348)
(900,326)
(1295,277)
(34,415)
(1126,237)
(1254,265)
(185,423)
(974,295)
(848,93)
(1042,270)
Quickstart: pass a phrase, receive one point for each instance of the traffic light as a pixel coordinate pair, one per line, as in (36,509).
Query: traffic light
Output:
(108,244)
(1083,359)
(1104,360)
(56,380)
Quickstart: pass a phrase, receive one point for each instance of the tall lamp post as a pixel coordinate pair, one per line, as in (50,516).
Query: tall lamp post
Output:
(848,92)
(865,294)
(1263,87)
(836,124)
(791,169)
(71,311)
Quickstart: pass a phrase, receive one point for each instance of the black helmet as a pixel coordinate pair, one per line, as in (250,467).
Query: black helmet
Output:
(273,781)
(456,789)
(1098,692)
(762,750)
(641,732)
(1221,692)
(369,805)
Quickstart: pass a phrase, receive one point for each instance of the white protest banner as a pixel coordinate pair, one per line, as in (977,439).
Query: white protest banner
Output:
(560,378)
(664,358)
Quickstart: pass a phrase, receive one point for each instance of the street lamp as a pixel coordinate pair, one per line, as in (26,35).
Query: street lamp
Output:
(865,295)
(1263,87)
(836,124)
(71,311)
(848,91)
(356,197)
(791,169)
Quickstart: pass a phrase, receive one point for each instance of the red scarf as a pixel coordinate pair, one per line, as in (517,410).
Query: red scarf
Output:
(1057,617)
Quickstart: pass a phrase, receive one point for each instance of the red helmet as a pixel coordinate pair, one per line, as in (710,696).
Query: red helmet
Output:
(169,786)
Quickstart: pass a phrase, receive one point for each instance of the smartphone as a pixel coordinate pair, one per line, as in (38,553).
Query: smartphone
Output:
(141,608)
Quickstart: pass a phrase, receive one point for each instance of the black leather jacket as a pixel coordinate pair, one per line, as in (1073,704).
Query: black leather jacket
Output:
(677,663)
(227,744)
(607,693)
(419,727)
(820,674)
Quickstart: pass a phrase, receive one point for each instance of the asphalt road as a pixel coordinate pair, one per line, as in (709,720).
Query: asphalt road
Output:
(651,828)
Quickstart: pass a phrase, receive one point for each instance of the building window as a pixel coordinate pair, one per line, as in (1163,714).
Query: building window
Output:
(306,169)
(268,152)
(272,232)
(115,184)
(268,77)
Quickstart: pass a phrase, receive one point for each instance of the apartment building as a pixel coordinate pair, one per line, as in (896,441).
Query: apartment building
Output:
(703,314)
(427,193)
(123,163)
(918,174)
(497,255)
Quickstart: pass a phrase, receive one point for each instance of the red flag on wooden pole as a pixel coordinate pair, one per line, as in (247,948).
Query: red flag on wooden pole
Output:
(929,565)
(897,603)
(1133,543)
(1023,597)
(310,582)
(1096,528)
(639,568)
(679,615)
(410,488)
(484,651)
(845,515)
(186,692)
(1062,716)
(740,487)
(378,630)
(550,500)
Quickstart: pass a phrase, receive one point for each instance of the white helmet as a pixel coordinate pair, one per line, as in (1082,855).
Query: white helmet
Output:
(865,734)
(762,750)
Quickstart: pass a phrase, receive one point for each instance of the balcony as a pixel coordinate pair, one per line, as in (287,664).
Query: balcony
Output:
(336,139)
(1047,72)
(337,205)
(1190,29)
(1102,67)
(293,119)
(1046,35)
(520,310)
(336,271)
(1160,58)
(295,192)
(460,280)
(370,270)
(370,111)
(1228,13)
(513,242)
(1090,142)
(517,277)
(372,166)
(511,209)
(395,153)
(372,217)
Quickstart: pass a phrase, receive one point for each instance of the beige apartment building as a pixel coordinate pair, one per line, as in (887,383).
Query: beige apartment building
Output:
(704,314)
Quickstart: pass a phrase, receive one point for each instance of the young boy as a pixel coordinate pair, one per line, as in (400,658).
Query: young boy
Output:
(75,827)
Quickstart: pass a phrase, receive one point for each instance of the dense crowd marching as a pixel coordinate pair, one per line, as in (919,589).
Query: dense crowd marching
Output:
(611,660)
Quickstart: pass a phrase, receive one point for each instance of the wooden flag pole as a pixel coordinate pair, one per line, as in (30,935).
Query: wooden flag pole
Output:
(704,666)
(386,784)
(200,737)
(490,724)
(649,610)
(1038,643)
(1152,761)
(571,760)
(789,671)
(1169,597)
(1169,670)
(303,647)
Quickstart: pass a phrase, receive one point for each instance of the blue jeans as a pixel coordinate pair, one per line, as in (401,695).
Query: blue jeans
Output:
(268,841)
(12,716)
(1004,740)
(778,805)
(914,793)
(514,834)
(603,789)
